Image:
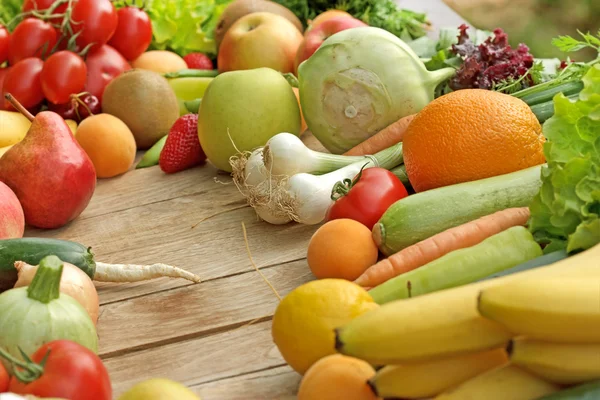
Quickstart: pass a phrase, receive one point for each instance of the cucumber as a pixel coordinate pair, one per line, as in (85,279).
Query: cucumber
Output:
(460,267)
(422,215)
(542,261)
(32,250)
(587,391)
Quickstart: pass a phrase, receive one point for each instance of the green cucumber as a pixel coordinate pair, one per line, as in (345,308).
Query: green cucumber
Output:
(33,250)
(542,261)
(460,267)
(422,215)
(587,391)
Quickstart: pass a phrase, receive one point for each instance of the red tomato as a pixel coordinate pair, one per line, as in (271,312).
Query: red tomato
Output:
(96,20)
(103,66)
(133,34)
(41,5)
(369,195)
(24,83)
(71,372)
(31,38)
(4,379)
(4,43)
(64,73)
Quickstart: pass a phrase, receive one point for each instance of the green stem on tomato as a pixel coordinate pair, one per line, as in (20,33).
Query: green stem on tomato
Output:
(192,73)
(32,370)
(45,285)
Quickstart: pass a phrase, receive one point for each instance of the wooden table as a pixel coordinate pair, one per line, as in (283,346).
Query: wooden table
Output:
(197,334)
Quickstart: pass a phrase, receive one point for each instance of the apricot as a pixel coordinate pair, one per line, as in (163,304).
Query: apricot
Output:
(337,377)
(108,142)
(160,61)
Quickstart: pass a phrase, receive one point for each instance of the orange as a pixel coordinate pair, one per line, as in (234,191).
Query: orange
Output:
(108,142)
(341,248)
(468,135)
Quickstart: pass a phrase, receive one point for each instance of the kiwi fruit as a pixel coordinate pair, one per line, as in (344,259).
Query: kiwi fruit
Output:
(240,8)
(145,101)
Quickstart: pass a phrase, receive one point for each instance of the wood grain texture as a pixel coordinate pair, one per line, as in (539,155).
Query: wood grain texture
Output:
(280,383)
(195,310)
(198,361)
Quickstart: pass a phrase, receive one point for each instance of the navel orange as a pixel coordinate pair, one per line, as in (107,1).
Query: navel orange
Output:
(471,134)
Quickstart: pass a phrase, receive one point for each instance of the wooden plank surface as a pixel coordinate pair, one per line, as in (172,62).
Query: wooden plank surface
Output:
(214,336)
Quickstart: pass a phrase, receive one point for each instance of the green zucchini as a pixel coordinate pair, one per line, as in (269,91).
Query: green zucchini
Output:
(33,250)
(422,215)
(587,391)
(542,261)
(460,267)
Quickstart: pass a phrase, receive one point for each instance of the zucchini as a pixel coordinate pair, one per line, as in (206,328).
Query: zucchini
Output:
(587,391)
(33,250)
(542,261)
(422,215)
(567,88)
(460,267)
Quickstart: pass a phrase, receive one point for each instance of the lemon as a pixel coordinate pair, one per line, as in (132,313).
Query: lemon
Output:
(304,322)
(159,389)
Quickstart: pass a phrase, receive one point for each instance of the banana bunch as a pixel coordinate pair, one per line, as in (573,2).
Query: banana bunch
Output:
(520,336)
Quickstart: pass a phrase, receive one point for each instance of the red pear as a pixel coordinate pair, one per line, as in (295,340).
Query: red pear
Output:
(52,176)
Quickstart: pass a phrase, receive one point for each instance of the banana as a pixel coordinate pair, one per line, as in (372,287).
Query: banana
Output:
(444,323)
(507,382)
(561,363)
(427,379)
(563,310)
(13,127)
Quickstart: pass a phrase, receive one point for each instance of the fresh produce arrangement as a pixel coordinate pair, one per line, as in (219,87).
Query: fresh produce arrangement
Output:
(455,199)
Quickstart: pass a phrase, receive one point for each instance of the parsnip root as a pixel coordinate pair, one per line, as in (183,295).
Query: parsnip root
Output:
(138,273)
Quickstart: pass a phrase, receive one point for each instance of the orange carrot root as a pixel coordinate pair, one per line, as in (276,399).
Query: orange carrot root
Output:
(383,139)
(436,246)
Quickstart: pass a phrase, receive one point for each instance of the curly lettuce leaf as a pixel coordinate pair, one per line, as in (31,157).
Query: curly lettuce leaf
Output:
(185,26)
(565,214)
(9,9)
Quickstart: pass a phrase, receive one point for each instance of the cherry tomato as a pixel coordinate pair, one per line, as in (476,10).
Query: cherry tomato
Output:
(97,21)
(41,5)
(31,38)
(103,66)
(71,371)
(367,197)
(75,110)
(133,34)
(4,379)
(64,73)
(24,83)
(3,73)
(4,43)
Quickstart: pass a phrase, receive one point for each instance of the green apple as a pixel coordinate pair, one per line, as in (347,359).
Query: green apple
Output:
(245,108)
(188,89)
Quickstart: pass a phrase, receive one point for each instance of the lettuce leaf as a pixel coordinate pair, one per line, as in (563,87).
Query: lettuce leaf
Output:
(185,26)
(565,214)
(9,9)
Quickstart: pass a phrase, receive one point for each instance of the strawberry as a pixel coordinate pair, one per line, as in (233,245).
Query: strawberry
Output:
(182,148)
(198,61)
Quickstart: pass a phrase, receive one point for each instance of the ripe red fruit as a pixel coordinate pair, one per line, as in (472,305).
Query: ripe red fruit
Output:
(73,109)
(182,148)
(133,34)
(64,73)
(198,61)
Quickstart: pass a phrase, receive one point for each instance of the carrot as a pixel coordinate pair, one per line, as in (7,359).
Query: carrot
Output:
(383,139)
(438,245)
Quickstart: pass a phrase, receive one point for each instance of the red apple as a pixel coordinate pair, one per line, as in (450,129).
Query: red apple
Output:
(258,40)
(324,16)
(318,34)
(12,219)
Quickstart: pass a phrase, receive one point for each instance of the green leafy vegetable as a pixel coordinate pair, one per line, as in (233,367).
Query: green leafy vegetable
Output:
(569,44)
(566,212)
(185,26)
(385,14)
(9,9)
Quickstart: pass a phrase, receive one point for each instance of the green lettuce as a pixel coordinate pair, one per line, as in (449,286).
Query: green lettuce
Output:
(9,9)
(185,26)
(565,214)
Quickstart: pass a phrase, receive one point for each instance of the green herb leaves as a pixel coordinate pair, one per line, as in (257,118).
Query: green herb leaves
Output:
(566,212)
(569,44)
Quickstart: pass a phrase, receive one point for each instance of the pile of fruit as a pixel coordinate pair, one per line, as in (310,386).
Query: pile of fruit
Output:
(456,197)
